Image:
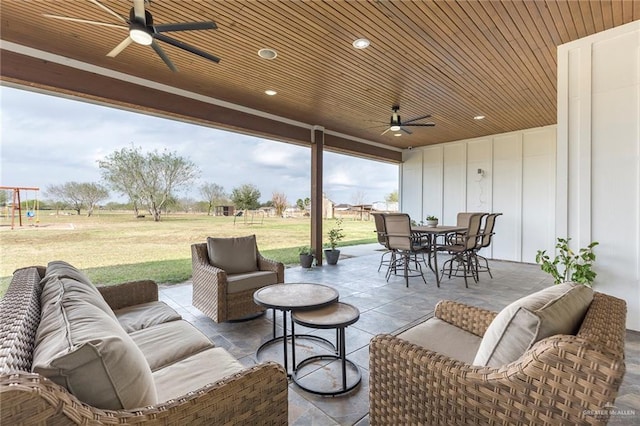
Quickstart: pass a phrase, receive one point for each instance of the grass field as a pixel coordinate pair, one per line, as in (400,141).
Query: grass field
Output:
(115,247)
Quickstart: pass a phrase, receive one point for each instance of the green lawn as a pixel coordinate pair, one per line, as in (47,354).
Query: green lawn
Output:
(117,247)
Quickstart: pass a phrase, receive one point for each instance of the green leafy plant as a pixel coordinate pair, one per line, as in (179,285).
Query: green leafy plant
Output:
(431,218)
(305,250)
(336,234)
(574,267)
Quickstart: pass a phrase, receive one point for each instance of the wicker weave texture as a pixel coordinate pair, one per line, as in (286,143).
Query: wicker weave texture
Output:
(568,380)
(129,294)
(210,287)
(469,318)
(255,395)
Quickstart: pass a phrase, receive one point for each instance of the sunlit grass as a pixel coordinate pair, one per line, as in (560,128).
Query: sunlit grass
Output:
(115,247)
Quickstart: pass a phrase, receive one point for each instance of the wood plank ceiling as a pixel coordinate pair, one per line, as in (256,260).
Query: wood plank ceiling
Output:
(451,59)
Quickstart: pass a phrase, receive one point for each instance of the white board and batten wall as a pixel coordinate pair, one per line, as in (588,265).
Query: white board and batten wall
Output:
(599,156)
(511,173)
(578,179)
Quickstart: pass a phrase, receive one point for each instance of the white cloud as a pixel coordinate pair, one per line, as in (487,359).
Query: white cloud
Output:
(49,140)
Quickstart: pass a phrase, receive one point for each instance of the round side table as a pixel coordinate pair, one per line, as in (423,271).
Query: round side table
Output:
(339,316)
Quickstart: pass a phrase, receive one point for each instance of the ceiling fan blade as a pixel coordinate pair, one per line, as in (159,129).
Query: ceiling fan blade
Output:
(417,118)
(185,46)
(84,21)
(164,56)
(185,26)
(420,124)
(406,131)
(120,47)
(108,10)
(138,10)
(388,128)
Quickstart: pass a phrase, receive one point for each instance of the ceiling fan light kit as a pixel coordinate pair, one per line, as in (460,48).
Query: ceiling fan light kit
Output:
(396,124)
(143,31)
(139,34)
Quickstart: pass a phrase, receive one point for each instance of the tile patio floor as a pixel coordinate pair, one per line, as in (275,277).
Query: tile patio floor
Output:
(385,307)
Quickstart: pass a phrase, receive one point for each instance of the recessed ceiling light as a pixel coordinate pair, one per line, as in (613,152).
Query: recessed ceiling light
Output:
(397,134)
(479,117)
(270,92)
(267,53)
(361,43)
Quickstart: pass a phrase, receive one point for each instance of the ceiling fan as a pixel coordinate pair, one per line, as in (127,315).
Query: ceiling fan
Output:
(397,125)
(143,31)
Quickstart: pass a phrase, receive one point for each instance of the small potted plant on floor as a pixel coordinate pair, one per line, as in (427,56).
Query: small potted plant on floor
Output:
(575,267)
(336,235)
(432,221)
(306,256)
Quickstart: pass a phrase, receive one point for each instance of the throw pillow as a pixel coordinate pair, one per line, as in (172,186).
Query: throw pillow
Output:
(233,255)
(555,310)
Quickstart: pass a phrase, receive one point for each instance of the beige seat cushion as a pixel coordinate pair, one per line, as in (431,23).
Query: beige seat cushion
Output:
(444,338)
(81,347)
(555,310)
(249,281)
(137,317)
(194,372)
(166,343)
(233,255)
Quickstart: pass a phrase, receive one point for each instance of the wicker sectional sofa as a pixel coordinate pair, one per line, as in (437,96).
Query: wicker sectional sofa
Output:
(73,353)
(444,372)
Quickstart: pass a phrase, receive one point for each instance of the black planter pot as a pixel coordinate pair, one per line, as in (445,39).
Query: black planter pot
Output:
(306,260)
(332,256)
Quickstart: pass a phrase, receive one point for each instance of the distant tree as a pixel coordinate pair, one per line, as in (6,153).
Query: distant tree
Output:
(77,195)
(151,179)
(246,197)
(358,197)
(120,170)
(67,194)
(213,194)
(392,197)
(4,197)
(303,204)
(280,203)
(91,194)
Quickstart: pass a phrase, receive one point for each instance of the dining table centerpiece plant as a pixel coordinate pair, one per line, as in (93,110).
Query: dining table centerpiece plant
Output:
(336,234)
(432,221)
(568,265)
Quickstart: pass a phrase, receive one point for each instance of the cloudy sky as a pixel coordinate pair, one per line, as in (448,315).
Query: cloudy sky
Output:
(47,140)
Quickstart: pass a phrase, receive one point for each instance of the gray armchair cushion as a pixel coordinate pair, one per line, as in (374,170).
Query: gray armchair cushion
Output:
(555,310)
(233,255)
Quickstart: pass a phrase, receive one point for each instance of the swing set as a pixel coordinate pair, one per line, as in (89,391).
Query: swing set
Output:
(33,205)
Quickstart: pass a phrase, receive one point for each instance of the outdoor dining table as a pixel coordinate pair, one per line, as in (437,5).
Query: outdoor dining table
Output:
(432,233)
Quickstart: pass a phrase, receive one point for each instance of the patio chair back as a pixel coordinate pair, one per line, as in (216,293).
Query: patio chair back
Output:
(487,232)
(473,237)
(380,229)
(398,231)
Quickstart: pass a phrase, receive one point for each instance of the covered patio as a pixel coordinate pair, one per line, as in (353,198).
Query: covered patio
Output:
(385,307)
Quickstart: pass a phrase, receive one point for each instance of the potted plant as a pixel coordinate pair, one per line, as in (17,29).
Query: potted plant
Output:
(432,221)
(336,235)
(306,256)
(575,267)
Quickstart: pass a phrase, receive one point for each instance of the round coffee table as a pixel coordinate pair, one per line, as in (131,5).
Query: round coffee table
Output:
(339,316)
(293,297)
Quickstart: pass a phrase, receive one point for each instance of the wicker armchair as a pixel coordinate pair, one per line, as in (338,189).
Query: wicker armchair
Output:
(255,395)
(563,379)
(211,288)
